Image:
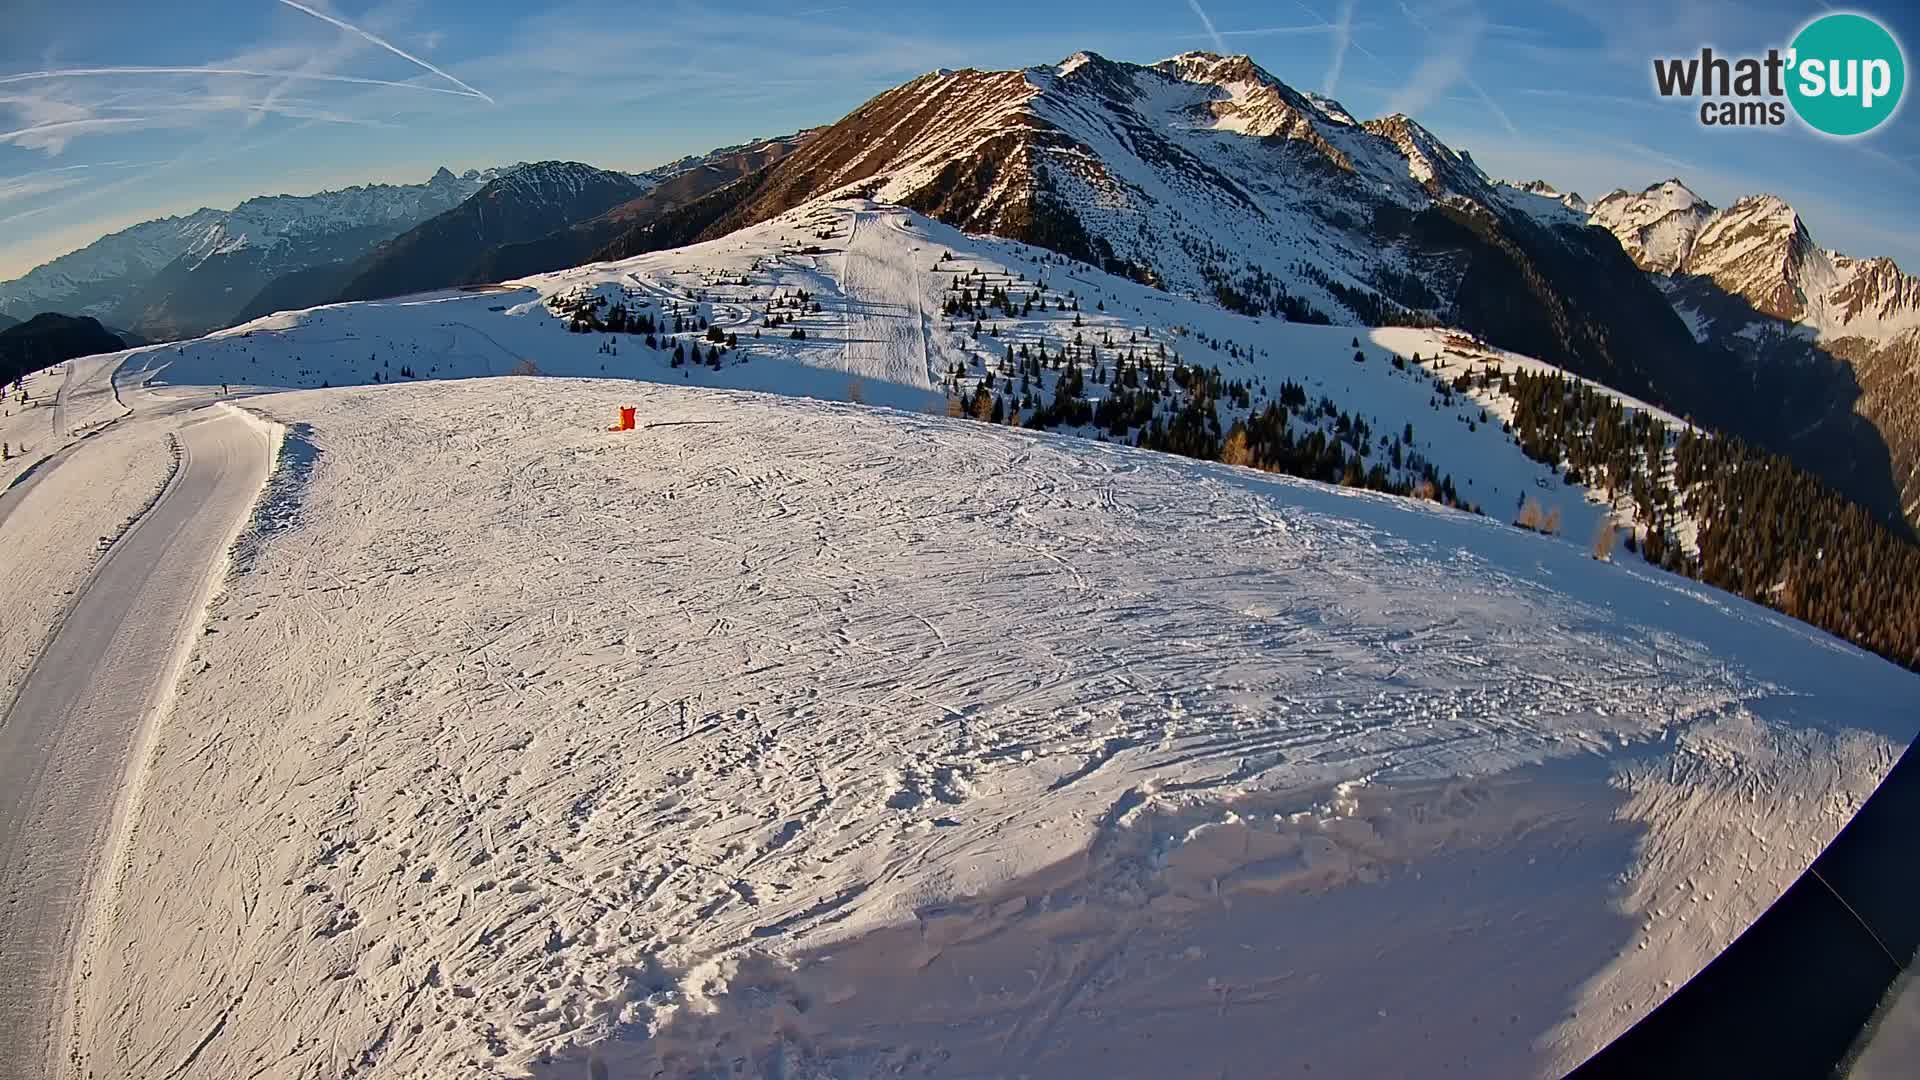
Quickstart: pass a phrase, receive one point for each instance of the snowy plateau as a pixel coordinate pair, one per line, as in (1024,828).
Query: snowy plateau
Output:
(805,730)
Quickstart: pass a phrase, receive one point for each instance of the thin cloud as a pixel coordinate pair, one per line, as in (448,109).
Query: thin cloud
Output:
(342,50)
(1342,30)
(1275,31)
(1473,84)
(53,137)
(14,188)
(1904,165)
(222,103)
(1599,99)
(1448,60)
(387,45)
(1506,29)
(1636,150)
(197,154)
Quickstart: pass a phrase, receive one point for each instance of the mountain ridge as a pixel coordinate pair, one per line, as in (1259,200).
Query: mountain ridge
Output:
(1206,175)
(1750,278)
(522,203)
(175,276)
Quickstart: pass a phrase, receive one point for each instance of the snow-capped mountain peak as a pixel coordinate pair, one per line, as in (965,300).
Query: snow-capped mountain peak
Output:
(1544,203)
(1656,226)
(1570,199)
(113,278)
(1246,99)
(1751,279)
(1331,109)
(557,180)
(1208,175)
(1673,194)
(1431,163)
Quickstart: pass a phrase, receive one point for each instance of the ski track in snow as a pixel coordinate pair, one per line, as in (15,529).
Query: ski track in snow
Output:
(66,403)
(831,741)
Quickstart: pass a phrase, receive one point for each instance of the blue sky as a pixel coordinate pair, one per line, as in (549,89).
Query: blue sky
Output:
(111,113)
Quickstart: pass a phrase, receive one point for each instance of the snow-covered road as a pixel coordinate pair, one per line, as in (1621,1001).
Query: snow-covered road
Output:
(80,717)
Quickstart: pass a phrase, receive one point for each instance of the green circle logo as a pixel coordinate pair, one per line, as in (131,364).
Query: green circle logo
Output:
(1847,74)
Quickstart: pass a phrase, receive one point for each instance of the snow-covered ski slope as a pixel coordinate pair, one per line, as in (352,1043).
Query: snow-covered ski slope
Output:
(795,738)
(819,740)
(879,276)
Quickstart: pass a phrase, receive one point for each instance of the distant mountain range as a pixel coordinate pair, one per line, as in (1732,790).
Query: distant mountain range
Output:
(182,276)
(520,205)
(677,184)
(529,219)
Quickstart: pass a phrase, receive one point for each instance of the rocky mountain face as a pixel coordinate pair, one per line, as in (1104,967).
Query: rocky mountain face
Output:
(1206,175)
(186,275)
(49,338)
(526,202)
(1835,340)
(97,279)
(1157,170)
(673,185)
(530,219)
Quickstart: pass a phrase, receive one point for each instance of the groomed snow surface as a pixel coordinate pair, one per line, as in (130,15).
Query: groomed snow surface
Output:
(790,737)
(804,739)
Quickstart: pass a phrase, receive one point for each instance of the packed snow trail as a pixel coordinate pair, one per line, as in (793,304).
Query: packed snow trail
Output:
(886,307)
(80,719)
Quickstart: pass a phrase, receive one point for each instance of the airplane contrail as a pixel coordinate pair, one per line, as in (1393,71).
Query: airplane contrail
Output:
(69,125)
(1219,45)
(314,76)
(389,46)
(1342,37)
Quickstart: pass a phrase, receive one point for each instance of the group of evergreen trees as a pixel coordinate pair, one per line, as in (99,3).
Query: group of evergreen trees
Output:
(588,313)
(1160,402)
(969,296)
(1767,530)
